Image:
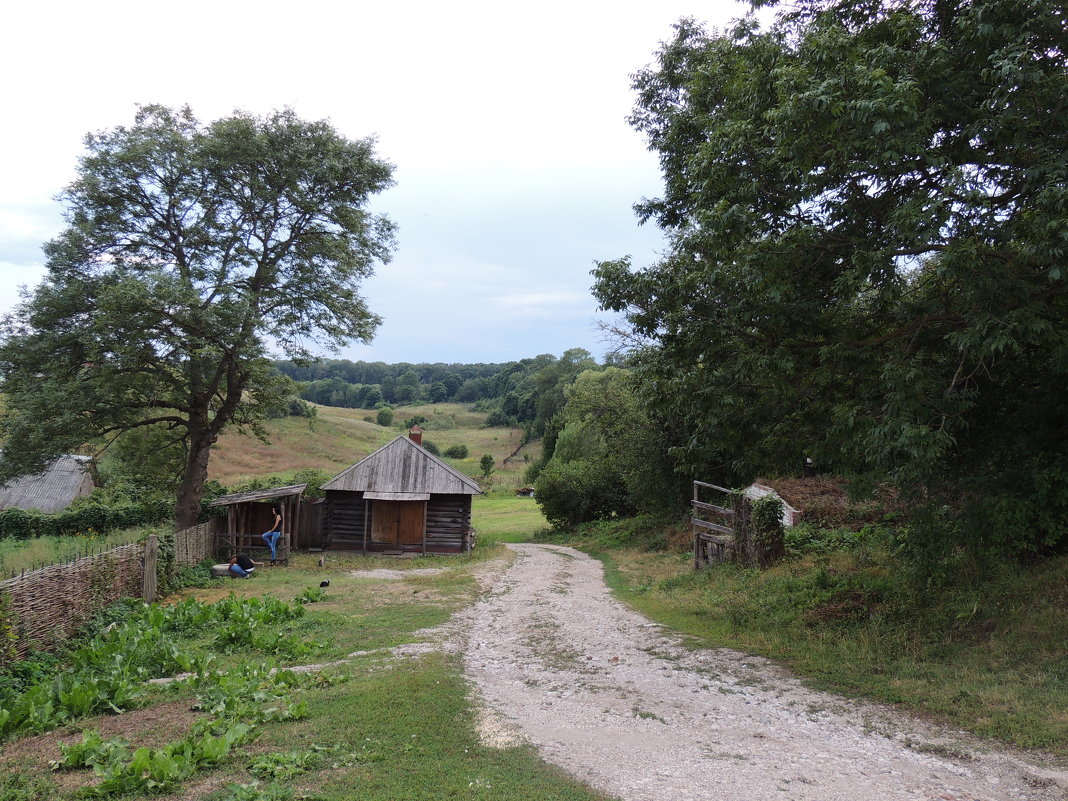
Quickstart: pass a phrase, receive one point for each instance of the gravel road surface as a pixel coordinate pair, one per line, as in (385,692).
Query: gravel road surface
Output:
(622,705)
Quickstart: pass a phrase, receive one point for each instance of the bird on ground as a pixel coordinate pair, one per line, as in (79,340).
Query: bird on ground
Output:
(324,583)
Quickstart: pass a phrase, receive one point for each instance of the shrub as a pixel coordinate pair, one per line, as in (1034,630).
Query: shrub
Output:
(85,514)
(430,447)
(580,491)
(498,419)
(384,417)
(457,452)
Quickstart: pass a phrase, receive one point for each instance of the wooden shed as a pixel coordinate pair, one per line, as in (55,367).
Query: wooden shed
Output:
(249,515)
(399,499)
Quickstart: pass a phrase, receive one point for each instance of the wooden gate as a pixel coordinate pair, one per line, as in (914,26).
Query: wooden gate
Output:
(713,539)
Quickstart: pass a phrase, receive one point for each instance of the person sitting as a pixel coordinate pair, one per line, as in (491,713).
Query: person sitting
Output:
(271,537)
(241,566)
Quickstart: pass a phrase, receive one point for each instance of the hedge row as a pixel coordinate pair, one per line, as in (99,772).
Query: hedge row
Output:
(20,524)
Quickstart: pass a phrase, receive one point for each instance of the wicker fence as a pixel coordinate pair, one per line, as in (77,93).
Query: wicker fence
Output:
(46,605)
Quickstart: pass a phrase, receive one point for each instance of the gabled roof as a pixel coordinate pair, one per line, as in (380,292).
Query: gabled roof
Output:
(259,495)
(401,466)
(51,491)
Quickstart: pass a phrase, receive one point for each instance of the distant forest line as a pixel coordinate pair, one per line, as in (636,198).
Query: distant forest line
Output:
(524,393)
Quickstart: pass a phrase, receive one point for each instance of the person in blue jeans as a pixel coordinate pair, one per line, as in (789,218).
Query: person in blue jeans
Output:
(271,537)
(241,566)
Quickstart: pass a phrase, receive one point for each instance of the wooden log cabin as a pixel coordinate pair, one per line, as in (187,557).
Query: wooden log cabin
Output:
(400,499)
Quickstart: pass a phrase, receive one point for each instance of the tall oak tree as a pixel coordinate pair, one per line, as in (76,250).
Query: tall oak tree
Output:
(190,251)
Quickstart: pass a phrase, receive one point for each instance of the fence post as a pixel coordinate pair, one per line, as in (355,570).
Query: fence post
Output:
(743,529)
(148,586)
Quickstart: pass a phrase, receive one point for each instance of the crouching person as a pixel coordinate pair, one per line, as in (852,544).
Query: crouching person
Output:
(241,566)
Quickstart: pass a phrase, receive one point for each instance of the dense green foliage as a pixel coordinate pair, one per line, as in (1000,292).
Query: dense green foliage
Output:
(526,393)
(106,673)
(868,213)
(188,249)
(364,385)
(92,514)
(608,458)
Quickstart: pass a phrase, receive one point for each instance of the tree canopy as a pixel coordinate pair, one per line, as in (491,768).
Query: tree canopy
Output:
(190,251)
(867,207)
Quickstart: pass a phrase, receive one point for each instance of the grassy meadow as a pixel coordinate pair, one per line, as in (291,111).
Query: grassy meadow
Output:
(337,438)
(19,555)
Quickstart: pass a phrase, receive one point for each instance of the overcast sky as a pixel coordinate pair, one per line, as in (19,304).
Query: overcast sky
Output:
(515,167)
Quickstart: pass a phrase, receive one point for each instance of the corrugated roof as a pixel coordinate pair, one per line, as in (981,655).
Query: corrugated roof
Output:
(403,466)
(259,495)
(53,490)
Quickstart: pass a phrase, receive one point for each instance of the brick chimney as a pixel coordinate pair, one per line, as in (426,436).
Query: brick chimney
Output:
(415,434)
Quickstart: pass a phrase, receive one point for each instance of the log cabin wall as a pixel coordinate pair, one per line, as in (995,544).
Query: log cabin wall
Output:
(448,520)
(343,520)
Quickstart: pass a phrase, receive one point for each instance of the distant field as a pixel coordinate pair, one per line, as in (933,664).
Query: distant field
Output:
(502,518)
(18,555)
(339,437)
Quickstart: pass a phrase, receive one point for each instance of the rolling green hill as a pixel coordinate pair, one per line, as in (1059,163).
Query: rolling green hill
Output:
(336,438)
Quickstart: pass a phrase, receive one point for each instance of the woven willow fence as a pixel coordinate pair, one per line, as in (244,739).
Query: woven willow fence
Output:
(46,605)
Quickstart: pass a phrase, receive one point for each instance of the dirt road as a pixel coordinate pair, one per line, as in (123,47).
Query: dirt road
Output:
(621,704)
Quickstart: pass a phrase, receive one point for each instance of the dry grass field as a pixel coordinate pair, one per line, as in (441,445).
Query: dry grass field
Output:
(337,438)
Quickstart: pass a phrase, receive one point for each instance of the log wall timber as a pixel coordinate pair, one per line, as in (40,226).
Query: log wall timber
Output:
(448,523)
(448,519)
(343,521)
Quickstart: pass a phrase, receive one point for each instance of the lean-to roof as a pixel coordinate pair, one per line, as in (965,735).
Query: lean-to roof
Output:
(259,495)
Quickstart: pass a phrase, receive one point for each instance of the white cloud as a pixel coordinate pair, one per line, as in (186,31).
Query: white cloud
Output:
(516,169)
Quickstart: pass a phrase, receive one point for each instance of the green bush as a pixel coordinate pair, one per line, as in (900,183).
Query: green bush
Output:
(384,417)
(580,491)
(85,515)
(430,447)
(457,452)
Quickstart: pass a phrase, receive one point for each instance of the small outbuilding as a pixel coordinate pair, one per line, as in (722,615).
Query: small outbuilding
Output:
(52,490)
(248,515)
(400,499)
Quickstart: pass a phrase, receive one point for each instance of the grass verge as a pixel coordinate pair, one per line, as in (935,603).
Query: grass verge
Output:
(988,654)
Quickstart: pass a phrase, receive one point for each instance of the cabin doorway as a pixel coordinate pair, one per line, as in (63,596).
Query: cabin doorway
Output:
(399,523)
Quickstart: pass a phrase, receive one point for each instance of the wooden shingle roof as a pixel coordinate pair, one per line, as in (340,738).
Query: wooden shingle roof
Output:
(259,495)
(51,491)
(401,466)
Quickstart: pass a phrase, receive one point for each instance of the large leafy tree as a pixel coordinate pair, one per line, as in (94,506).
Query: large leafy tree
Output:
(189,251)
(868,211)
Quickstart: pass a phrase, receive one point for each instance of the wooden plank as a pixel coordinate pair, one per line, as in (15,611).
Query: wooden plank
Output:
(711,486)
(713,508)
(718,539)
(711,526)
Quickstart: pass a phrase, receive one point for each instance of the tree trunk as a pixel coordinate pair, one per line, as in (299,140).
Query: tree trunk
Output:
(187,507)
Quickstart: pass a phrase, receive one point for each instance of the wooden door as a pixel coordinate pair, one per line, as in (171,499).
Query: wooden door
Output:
(398,522)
